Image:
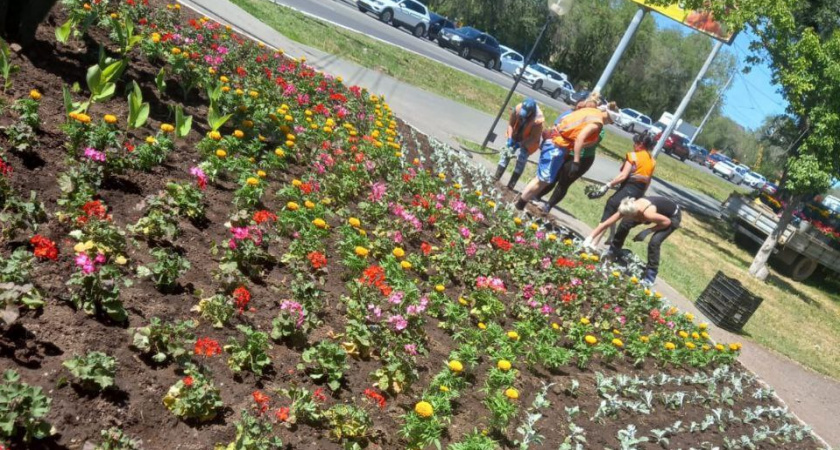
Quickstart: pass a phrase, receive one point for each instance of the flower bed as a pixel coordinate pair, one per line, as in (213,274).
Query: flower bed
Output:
(248,252)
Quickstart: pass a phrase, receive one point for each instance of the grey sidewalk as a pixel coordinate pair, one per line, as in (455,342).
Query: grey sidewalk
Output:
(811,396)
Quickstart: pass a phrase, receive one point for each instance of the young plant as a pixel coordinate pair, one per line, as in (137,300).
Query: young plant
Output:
(304,408)
(94,371)
(168,267)
(474,441)
(218,309)
(138,111)
(183,124)
(22,409)
(16,290)
(325,362)
(165,340)
(194,396)
(115,439)
(22,133)
(98,288)
(6,66)
(502,410)
(250,355)
(101,81)
(349,424)
(254,433)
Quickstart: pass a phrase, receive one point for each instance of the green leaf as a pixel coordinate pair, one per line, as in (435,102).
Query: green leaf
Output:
(183,124)
(94,79)
(160,80)
(68,99)
(62,33)
(108,91)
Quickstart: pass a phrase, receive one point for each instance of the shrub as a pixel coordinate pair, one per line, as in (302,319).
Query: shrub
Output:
(22,408)
(94,371)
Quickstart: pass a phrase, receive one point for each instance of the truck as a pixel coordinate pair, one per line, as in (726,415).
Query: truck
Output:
(799,252)
(683,128)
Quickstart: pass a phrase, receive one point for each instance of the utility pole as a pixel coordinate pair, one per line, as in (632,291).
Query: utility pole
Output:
(711,108)
(619,51)
(684,103)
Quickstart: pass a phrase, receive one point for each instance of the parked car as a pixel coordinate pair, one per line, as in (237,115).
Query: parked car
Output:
(715,158)
(728,170)
(633,121)
(543,78)
(698,154)
(511,61)
(676,145)
(770,188)
(755,180)
(437,23)
(409,14)
(472,44)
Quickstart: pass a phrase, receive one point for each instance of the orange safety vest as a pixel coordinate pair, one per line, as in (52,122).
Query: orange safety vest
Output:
(565,133)
(532,129)
(642,165)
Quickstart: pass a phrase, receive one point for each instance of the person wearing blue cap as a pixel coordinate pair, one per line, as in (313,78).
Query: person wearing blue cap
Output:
(524,131)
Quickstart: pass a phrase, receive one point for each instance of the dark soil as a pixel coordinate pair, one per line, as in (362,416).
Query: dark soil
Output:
(40,341)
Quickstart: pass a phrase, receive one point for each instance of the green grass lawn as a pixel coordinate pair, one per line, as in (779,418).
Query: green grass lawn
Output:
(389,59)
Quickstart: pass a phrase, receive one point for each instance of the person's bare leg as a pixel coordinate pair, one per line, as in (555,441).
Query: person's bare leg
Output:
(534,186)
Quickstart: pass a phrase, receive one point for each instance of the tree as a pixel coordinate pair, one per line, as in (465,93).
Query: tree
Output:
(801,44)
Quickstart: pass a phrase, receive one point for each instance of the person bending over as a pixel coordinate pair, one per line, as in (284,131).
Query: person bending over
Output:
(635,175)
(663,213)
(524,132)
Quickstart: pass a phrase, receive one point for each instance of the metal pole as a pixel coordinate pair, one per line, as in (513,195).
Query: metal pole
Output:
(711,108)
(622,46)
(684,104)
(490,134)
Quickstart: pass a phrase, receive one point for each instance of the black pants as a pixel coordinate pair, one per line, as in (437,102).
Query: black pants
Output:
(627,190)
(656,240)
(564,179)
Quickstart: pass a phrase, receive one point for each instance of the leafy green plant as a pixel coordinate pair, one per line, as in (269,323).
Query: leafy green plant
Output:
(349,424)
(7,69)
(101,81)
(160,80)
(168,267)
(19,213)
(22,409)
(158,223)
(183,124)
(251,354)
(194,396)
(94,371)
(99,292)
(327,362)
(304,408)
(187,199)
(214,118)
(218,309)
(123,30)
(115,439)
(502,410)
(21,134)
(474,441)
(165,340)
(254,433)
(16,291)
(138,111)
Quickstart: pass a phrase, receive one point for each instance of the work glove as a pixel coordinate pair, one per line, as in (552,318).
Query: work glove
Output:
(587,243)
(573,167)
(599,192)
(643,235)
(511,143)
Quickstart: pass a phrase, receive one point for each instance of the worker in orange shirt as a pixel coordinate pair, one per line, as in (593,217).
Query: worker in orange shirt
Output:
(635,176)
(572,134)
(524,132)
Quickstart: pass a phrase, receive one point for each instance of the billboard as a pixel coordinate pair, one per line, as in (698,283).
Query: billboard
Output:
(702,21)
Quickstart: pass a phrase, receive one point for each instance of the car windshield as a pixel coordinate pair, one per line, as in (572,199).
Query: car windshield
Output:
(630,113)
(469,31)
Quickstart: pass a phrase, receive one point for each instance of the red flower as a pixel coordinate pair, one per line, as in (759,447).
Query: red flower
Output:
(5,168)
(282,413)
(375,276)
(128,146)
(241,297)
(94,209)
(188,381)
(262,402)
(564,262)
(317,259)
(500,243)
(207,347)
(44,248)
(376,397)
(306,188)
(264,216)
(319,395)
(426,248)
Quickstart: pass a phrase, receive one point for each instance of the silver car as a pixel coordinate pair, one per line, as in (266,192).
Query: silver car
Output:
(511,61)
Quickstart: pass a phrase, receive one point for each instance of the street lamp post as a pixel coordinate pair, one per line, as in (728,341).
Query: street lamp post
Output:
(556,7)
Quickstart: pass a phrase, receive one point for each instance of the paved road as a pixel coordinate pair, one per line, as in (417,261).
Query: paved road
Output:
(812,396)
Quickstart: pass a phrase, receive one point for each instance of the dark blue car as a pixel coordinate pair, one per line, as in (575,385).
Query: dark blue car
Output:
(472,44)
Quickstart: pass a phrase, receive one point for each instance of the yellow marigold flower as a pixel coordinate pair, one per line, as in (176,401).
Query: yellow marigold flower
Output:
(221,153)
(513,335)
(292,206)
(167,128)
(670,346)
(584,321)
(150,140)
(657,295)
(690,345)
(644,339)
(552,237)
(695,335)
(444,388)
(320,223)
(297,183)
(114,15)
(110,119)
(405,265)
(308,204)
(568,242)
(424,409)
(442,176)
(155,37)
(482,326)
(648,292)
(555,325)
(704,335)
(457,185)
(735,347)
(215,135)
(491,203)
(463,301)
(617,342)
(720,347)
(456,366)
(327,130)
(511,393)
(224,79)
(82,117)
(398,252)
(239,134)
(261,173)
(362,232)
(361,251)
(288,118)
(120,260)
(254,94)
(34,94)
(703,325)
(706,348)
(226,89)
(440,287)
(252,181)
(534,226)
(683,334)
(176,51)
(591,340)
(290,143)
(690,317)
(239,92)
(517,220)
(248,123)
(354,222)
(279,152)
(503,365)
(584,255)
(634,280)
(326,201)
(616,273)
(479,193)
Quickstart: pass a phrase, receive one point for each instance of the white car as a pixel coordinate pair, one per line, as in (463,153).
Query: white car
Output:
(511,61)
(633,121)
(729,171)
(409,14)
(542,78)
(755,180)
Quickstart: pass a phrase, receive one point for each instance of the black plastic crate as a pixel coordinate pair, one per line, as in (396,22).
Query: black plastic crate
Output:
(727,303)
